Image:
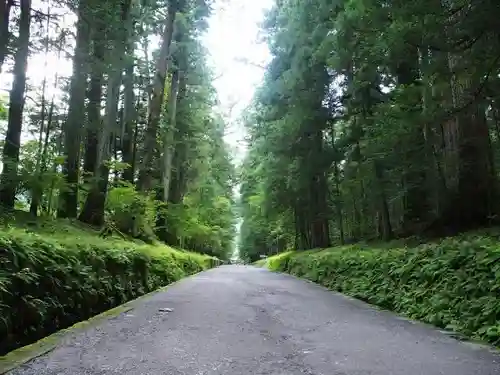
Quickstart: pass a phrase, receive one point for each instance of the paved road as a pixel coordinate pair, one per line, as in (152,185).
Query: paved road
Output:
(238,320)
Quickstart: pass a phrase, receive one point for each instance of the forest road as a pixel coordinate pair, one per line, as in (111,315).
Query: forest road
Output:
(239,320)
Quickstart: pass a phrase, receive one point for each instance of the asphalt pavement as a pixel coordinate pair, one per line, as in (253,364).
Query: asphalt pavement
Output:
(239,320)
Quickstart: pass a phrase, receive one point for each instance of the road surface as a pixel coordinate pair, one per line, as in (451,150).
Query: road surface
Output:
(239,320)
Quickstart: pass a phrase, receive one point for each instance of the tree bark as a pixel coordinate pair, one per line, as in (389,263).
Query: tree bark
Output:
(37,189)
(338,203)
(94,118)
(168,138)
(130,117)
(468,157)
(178,183)
(150,145)
(384,221)
(35,202)
(168,152)
(54,167)
(72,128)
(9,177)
(93,210)
(338,195)
(317,207)
(5,7)
(415,199)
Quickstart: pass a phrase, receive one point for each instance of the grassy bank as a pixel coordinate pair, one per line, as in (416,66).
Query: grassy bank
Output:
(453,284)
(52,276)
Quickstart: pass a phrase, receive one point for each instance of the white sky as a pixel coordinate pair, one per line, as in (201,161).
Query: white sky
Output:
(232,39)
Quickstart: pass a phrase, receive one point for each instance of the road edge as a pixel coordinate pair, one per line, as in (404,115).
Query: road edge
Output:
(457,336)
(24,354)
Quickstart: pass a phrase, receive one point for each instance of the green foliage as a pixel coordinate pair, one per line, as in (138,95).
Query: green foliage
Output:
(358,128)
(199,214)
(261,263)
(200,211)
(266,229)
(208,226)
(452,284)
(3,109)
(51,282)
(279,262)
(47,177)
(132,213)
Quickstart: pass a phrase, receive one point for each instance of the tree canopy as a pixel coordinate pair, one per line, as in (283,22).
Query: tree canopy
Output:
(375,120)
(132,140)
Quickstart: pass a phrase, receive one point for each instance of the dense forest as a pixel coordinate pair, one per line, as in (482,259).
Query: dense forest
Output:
(131,141)
(375,120)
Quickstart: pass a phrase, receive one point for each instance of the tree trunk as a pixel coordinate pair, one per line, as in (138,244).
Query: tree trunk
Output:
(434,138)
(37,189)
(415,199)
(476,182)
(94,118)
(5,7)
(355,232)
(91,167)
(72,128)
(176,193)
(301,228)
(50,198)
(130,117)
(468,159)
(319,225)
(35,202)
(384,221)
(338,203)
(338,195)
(168,138)
(9,178)
(48,129)
(168,152)
(93,210)
(319,230)
(178,183)
(158,92)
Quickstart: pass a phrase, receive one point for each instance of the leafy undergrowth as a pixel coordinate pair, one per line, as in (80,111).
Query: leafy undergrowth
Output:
(453,284)
(54,275)
(261,263)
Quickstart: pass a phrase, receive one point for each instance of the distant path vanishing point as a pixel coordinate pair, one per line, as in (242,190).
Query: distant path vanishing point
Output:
(238,320)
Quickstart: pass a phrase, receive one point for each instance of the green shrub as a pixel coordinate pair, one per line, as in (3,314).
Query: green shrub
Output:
(49,283)
(132,212)
(453,284)
(279,262)
(261,263)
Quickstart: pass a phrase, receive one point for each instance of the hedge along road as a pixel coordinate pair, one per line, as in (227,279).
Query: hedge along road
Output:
(239,320)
